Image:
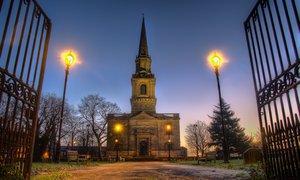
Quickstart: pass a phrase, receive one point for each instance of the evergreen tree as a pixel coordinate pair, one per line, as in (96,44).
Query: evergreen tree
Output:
(235,135)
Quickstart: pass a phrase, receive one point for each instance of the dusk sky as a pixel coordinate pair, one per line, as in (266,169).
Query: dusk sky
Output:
(180,34)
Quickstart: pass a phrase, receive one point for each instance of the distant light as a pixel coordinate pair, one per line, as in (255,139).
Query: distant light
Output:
(45,155)
(168,127)
(169,140)
(118,128)
(255,140)
(116,140)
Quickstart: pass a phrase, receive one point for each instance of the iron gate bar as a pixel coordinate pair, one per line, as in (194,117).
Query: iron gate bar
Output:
(1,2)
(282,32)
(274,33)
(296,14)
(38,57)
(290,28)
(11,44)
(48,27)
(27,44)
(38,15)
(269,41)
(6,26)
(270,32)
(264,46)
(21,79)
(21,39)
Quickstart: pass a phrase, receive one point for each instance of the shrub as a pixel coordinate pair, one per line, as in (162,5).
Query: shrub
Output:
(10,172)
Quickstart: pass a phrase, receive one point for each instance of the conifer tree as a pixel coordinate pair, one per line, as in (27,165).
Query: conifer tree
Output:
(234,133)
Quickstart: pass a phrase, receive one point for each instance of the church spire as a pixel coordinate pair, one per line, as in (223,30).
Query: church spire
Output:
(143,81)
(143,48)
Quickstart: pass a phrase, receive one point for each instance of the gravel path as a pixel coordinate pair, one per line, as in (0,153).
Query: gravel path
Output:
(153,171)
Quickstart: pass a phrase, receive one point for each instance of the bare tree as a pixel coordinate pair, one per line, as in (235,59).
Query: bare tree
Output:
(197,137)
(48,118)
(71,125)
(47,124)
(94,110)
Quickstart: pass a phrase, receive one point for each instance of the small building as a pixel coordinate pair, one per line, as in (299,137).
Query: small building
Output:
(143,132)
(184,152)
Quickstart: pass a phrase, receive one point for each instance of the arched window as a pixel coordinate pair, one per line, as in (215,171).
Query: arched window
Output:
(143,89)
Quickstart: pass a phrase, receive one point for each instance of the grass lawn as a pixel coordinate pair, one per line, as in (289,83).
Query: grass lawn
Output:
(255,170)
(45,171)
(233,164)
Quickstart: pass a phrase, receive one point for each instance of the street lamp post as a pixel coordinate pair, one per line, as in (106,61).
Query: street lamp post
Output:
(118,129)
(169,148)
(197,144)
(216,61)
(169,129)
(117,149)
(69,59)
(87,139)
(88,135)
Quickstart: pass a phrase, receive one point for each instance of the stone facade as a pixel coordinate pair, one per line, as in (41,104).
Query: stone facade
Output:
(143,132)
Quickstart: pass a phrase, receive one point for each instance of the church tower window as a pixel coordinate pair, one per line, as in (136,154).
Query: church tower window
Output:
(143,89)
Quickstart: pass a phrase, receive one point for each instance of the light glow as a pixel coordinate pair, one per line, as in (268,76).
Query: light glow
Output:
(69,58)
(118,128)
(45,155)
(168,127)
(215,59)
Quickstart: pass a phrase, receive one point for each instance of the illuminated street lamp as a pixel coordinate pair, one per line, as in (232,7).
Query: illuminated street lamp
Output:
(117,149)
(118,129)
(216,62)
(169,130)
(69,60)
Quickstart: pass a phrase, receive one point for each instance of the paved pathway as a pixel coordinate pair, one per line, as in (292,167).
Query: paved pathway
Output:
(153,171)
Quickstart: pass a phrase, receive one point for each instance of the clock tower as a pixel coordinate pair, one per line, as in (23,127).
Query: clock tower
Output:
(143,81)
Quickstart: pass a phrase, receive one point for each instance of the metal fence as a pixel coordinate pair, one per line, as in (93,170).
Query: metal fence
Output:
(24,32)
(273,39)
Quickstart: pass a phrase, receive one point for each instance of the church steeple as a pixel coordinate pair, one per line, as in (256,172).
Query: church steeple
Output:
(143,60)
(143,48)
(143,81)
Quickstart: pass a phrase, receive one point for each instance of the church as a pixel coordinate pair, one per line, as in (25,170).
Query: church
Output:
(143,133)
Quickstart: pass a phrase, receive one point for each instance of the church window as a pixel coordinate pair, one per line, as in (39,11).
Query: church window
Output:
(143,89)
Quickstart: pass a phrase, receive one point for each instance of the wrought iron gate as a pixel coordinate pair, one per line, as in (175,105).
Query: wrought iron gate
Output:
(24,32)
(273,39)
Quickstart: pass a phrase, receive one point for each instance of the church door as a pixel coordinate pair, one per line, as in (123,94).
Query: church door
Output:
(143,148)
